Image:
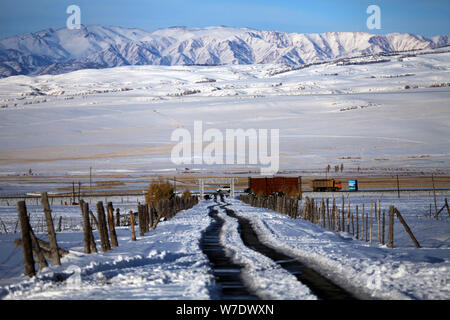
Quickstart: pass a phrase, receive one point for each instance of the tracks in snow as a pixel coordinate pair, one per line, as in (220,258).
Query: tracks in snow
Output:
(228,274)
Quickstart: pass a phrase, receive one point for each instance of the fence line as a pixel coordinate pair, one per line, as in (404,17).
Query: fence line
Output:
(336,219)
(37,250)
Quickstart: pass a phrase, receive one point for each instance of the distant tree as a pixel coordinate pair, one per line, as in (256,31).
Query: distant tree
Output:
(342,167)
(328,168)
(336,168)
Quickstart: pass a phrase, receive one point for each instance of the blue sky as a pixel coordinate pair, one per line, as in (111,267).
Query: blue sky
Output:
(427,18)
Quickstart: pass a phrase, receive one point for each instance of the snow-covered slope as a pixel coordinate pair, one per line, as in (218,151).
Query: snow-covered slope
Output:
(94,46)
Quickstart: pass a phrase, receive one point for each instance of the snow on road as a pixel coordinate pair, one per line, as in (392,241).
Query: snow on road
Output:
(168,263)
(260,273)
(370,271)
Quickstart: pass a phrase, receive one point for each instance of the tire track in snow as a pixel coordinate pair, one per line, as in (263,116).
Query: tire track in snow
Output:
(320,286)
(226,273)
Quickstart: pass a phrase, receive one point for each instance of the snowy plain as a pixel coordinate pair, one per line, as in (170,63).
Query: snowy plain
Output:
(122,118)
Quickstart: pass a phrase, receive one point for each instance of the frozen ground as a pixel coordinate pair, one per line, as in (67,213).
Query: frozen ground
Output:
(167,262)
(122,118)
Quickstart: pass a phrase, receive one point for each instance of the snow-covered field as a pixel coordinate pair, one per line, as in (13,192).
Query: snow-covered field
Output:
(122,118)
(370,270)
(167,263)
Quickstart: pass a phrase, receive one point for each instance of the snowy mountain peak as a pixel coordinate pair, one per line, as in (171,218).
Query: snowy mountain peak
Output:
(63,50)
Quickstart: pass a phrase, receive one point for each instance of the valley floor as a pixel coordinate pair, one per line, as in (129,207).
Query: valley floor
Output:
(379,116)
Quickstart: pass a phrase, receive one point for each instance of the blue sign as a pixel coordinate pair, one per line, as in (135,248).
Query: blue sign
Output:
(352,185)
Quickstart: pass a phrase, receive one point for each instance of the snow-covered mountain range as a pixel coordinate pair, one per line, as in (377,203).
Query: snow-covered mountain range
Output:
(57,51)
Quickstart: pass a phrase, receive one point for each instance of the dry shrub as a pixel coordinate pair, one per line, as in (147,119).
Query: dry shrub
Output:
(160,189)
(186,194)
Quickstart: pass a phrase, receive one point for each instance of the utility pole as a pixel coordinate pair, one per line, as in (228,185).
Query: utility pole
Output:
(90,178)
(398,188)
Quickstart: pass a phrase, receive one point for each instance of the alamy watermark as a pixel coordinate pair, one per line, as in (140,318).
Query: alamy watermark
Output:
(374,20)
(229,147)
(74,20)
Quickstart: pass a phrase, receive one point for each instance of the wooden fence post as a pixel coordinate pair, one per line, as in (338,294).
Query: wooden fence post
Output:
(391,228)
(362,223)
(112,229)
(94,220)
(353,225)
(328,214)
(26,239)
(448,209)
(383,227)
(443,207)
(305,208)
(117,217)
(38,254)
(434,196)
(141,220)
(323,213)
(378,222)
(147,216)
(367,226)
(50,229)
(133,234)
(371,219)
(86,225)
(408,230)
(152,215)
(103,231)
(348,216)
(159,206)
(357,223)
(59,224)
(296,209)
(334,214)
(91,234)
